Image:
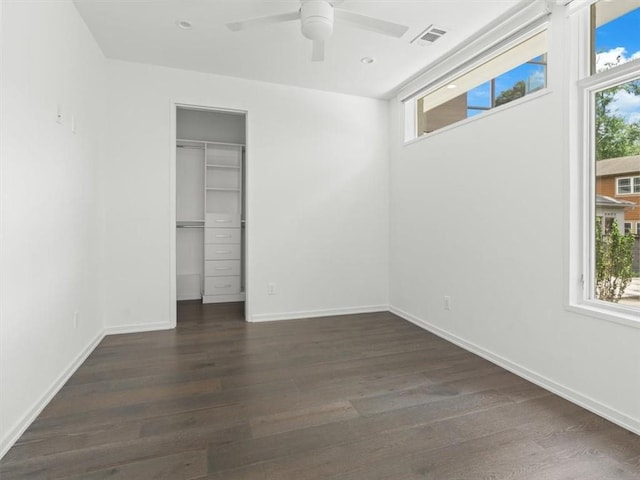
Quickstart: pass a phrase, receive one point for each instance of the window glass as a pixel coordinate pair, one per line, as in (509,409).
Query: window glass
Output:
(624,185)
(616,39)
(511,75)
(520,81)
(480,97)
(616,128)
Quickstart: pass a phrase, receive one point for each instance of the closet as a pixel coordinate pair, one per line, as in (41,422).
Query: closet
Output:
(210,186)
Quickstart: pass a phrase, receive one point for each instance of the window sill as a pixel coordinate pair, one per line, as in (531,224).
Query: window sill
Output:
(614,313)
(475,118)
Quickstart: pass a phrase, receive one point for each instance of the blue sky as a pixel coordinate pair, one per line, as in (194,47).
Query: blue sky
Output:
(621,32)
(618,42)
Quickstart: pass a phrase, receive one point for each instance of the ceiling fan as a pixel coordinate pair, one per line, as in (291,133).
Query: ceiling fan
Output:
(316,22)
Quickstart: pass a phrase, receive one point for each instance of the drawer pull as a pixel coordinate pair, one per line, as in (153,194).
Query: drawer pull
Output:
(224,252)
(223,268)
(228,285)
(223,236)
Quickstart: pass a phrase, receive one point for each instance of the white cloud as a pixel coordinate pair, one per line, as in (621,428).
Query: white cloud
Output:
(536,80)
(634,117)
(611,58)
(626,105)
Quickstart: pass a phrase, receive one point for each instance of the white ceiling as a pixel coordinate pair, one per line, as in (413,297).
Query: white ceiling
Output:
(145,31)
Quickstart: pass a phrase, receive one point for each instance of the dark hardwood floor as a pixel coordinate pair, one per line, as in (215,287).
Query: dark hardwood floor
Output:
(360,397)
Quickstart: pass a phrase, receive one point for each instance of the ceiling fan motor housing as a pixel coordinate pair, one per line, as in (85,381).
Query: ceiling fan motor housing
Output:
(316,19)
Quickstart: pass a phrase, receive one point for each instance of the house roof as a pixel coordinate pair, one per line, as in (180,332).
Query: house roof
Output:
(604,201)
(616,166)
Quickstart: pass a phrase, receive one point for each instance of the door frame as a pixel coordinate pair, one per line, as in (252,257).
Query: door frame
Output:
(173,295)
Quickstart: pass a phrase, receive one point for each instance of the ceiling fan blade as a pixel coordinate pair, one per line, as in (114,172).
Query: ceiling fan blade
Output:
(317,53)
(372,24)
(263,21)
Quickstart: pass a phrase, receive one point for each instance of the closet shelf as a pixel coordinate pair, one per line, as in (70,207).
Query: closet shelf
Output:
(208,142)
(231,167)
(221,189)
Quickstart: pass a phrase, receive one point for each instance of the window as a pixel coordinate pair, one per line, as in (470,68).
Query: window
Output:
(628,185)
(513,74)
(627,228)
(614,24)
(610,90)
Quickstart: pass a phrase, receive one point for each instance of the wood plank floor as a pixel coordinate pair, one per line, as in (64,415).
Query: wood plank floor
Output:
(359,397)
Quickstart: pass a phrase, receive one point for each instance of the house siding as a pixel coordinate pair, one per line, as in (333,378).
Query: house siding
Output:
(607,186)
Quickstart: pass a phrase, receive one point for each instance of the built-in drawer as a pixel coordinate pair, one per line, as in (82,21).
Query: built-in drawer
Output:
(221,235)
(221,285)
(218,268)
(222,220)
(222,252)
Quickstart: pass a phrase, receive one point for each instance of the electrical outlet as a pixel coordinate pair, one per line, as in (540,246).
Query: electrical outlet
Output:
(75,319)
(447,302)
(271,288)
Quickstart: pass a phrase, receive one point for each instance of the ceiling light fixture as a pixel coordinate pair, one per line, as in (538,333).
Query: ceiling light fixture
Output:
(452,85)
(184,24)
(367,60)
(316,20)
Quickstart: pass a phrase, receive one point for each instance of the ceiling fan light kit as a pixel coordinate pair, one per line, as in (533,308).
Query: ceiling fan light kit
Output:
(316,19)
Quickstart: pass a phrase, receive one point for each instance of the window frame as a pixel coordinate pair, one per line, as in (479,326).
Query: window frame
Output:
(634,185)
(493,91)
(582,173)
(410,101)
(627,227)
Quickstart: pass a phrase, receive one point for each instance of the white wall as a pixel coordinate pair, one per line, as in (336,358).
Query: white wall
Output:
(49,204)
(479,213)
(317,219)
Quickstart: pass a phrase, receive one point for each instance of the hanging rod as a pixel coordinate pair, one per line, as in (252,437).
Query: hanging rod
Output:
(189,226)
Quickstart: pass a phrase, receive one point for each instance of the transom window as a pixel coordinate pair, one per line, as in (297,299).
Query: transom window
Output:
(508,76)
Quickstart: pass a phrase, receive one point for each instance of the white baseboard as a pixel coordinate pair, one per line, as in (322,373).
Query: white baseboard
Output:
(273,317)
(567,393)
(7,441)
(236,297)
(11,437)
(138,328)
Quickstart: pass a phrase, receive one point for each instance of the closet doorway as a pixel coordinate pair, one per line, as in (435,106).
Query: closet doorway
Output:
(210,166)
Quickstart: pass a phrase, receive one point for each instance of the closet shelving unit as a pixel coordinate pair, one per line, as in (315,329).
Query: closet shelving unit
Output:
(222,223)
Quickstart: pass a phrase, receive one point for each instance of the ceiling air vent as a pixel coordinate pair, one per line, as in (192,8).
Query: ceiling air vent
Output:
(429,35)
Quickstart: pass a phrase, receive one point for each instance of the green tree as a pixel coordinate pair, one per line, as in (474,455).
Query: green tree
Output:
(614,261)
(518,90)
(615,137)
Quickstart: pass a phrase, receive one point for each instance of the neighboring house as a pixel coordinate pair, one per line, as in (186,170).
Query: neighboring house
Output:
(619,179)
(609,209)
